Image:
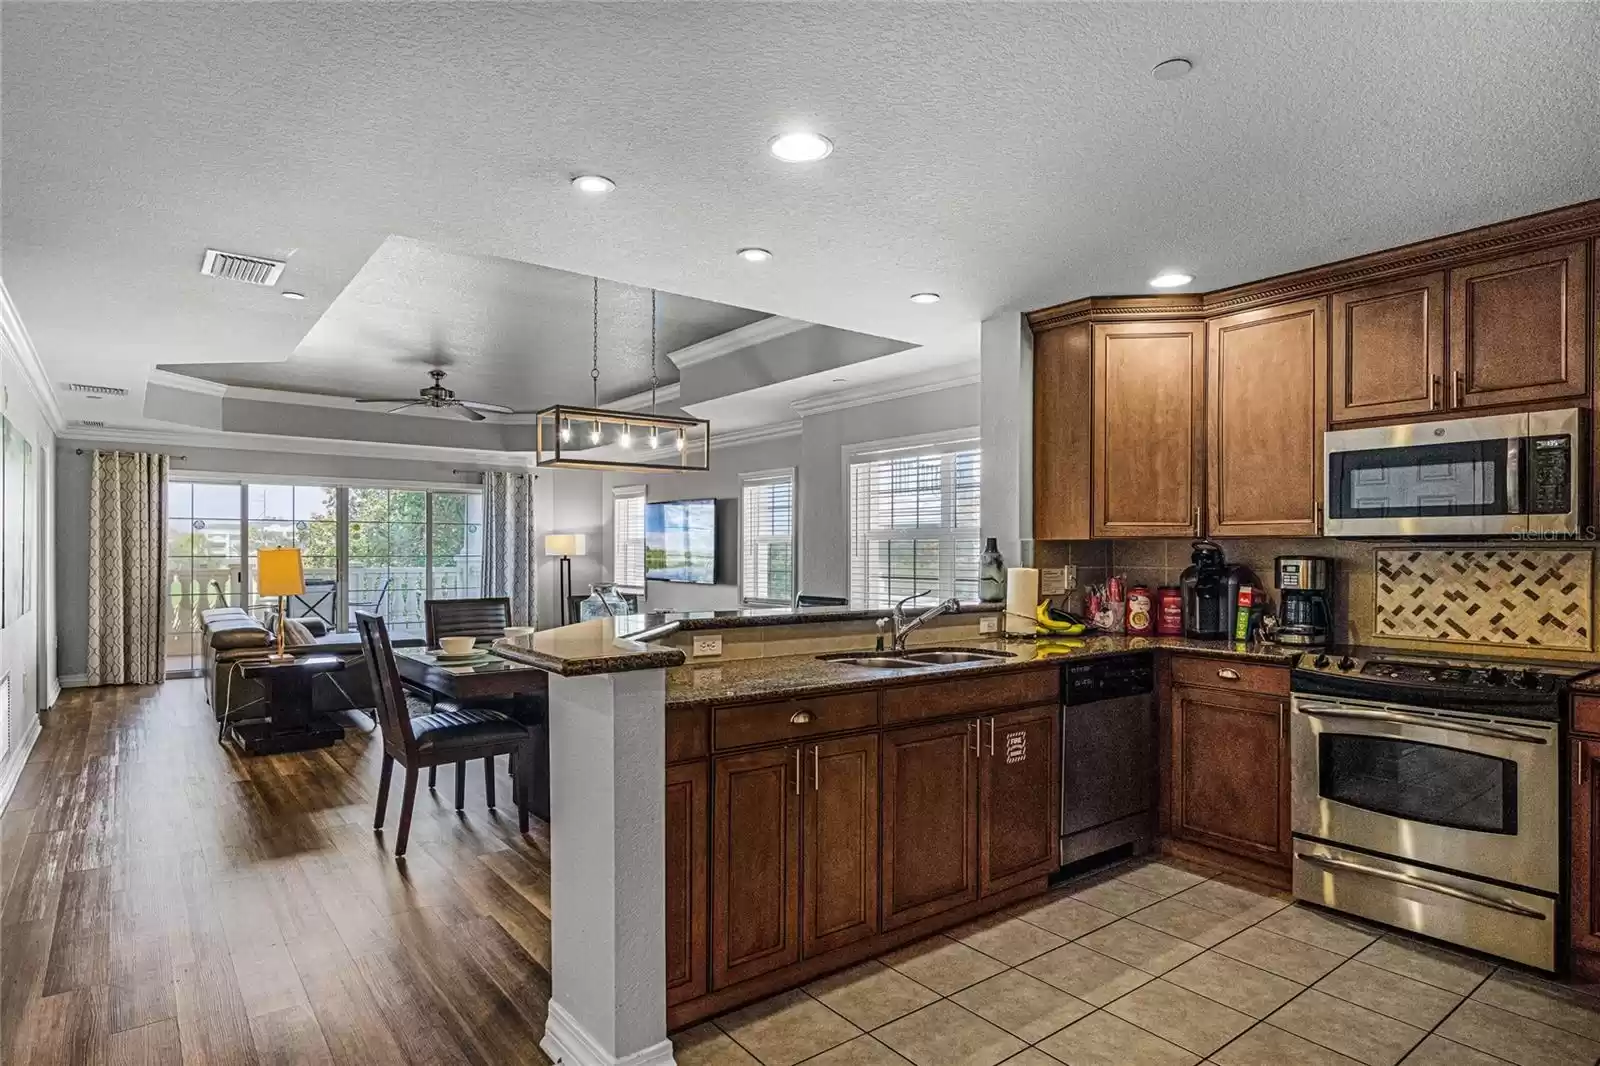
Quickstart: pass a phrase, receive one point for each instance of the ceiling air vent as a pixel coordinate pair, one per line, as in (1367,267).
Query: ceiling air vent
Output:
(89,423)
(248,268)
(93,390)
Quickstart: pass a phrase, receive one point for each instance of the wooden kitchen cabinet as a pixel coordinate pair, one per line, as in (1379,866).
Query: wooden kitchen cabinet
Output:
(1063,376)
(839,892)
(1586,850)
(1266,410)
(688,824)
(930,820)
(1387,350)
(1230,772)
(1149,429)
(1019,797)
(755,864)
(1519,329)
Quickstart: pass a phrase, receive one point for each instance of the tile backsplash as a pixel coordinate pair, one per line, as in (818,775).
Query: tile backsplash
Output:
(1531,597)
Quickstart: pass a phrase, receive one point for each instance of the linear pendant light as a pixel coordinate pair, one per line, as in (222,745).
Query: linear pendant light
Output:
(602,438)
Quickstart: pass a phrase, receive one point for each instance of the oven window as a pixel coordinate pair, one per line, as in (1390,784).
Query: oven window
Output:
(1420,782)
(1420,481)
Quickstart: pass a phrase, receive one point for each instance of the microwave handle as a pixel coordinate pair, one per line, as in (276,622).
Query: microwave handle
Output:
(1514,476)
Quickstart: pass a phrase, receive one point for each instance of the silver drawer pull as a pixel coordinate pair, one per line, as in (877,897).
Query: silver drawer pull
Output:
(1228,674)
(1492,902)
(800,717)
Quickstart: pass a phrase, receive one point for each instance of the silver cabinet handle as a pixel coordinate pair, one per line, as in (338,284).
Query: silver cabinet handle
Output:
(800,717)
(1228,674)
(816,767)
(797,771)
(1433,401)
(1460,387)
(991,735)
(1492,902)
(977,736)
(1454,725)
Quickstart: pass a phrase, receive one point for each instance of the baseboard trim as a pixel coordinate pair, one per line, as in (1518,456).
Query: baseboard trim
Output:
(11,768)
(72,681)
(569,1044)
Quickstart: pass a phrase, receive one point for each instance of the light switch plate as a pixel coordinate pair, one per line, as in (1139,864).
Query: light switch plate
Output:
(989,623)
(710,644)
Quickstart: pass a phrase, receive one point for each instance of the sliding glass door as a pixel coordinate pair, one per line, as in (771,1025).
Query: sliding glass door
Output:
(304,517)
(205,545)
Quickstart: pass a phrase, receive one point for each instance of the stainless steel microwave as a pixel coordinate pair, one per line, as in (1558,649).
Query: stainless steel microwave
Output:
(1487,476)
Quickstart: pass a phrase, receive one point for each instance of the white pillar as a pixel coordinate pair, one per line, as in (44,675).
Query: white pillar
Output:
(1006,420)
(608,1002)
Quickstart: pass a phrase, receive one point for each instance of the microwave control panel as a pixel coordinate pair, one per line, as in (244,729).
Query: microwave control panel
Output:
(1549,475)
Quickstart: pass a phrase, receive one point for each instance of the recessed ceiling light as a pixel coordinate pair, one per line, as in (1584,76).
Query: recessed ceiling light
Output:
(754,255)
(293,295)
(925,298)
(593,184)
(800,147)
(1170,279)
(1172,69)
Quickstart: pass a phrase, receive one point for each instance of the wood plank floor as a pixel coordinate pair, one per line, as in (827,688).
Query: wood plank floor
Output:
(170,903)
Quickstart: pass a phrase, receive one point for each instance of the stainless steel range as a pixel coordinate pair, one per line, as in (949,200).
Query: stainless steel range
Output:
(1426,796)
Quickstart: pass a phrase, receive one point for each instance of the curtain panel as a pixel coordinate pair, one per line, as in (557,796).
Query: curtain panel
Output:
(127,568)
(508,559)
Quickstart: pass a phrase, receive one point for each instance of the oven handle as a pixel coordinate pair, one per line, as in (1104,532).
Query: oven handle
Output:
(1493,902)
(1452,724)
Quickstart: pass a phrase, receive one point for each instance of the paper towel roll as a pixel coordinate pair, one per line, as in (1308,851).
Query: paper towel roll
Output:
(1022,597)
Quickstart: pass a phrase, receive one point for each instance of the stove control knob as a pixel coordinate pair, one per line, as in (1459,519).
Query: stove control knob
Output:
(1529,679)
(1320,662)
(1347,663)
(1495,676)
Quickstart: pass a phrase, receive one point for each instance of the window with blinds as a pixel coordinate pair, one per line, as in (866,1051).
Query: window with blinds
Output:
(627,538)
(914,523)
(766,537)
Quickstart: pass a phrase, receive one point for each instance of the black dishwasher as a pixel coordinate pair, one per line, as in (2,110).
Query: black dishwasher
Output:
(1108,756)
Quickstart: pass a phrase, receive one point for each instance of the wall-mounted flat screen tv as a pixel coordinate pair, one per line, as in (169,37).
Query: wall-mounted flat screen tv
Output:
(680,541)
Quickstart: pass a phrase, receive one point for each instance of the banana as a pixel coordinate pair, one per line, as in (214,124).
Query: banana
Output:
(1049,624)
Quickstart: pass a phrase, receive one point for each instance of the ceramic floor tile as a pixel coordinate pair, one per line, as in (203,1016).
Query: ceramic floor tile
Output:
(946,1034)
(1092,977)
(1151,950)
(943,964)
(1515,1038)
(787,1028)
(1188,922)
(1426,963)
(871,994)
(706,1045)
(1231,900)
(1389,993)
(1160,878)
(1030,1057)
(1542,1001)
(1118,897)
(1023,1006)
(1067,917)
(1103,1039)
(1267,1045)
(1007,939)
(1437,1051)
(862,1051)
(1175,1014)
(1347,1028)
(1337,935)
(1278,954)
(1236,984)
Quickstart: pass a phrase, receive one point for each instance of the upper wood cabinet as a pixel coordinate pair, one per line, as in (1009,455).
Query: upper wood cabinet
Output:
(1266,410)
(1063,376)
(1149,429)
(1387,351)
(1519,329)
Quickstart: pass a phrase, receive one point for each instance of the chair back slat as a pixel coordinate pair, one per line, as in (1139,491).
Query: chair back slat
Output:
(394,717)
(485,618)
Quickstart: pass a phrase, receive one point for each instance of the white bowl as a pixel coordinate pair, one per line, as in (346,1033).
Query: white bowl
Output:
(457,645)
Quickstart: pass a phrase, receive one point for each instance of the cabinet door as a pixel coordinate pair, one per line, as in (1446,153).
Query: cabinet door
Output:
(1063,449)
(1266,410)
(840,897)
(1585,844)
(1231,772)
(755,867)
(1388,349)
(1019,798)
(688,874)
(1519,329)
(930,820)
(1149,429)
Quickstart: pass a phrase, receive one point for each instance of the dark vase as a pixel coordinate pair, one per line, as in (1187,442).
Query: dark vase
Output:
(991,574)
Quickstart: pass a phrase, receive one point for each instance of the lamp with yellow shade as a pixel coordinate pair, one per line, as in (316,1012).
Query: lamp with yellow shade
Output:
(279,573)
(566,545)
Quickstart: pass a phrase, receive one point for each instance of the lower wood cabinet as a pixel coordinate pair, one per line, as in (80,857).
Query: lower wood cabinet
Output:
(1230,772)
(1019,798)
(1586,853)
(688,820)
(839,893)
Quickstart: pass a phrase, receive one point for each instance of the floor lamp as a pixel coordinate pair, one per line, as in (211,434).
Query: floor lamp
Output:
(565,545)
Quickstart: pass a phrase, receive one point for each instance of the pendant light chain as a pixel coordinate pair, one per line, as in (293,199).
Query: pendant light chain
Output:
(653,378)
(594,337)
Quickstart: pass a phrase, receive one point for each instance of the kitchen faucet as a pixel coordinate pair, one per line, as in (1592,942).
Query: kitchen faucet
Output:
(896,620)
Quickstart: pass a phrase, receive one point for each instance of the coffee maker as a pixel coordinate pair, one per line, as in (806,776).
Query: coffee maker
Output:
(1210,590)
(1305,610)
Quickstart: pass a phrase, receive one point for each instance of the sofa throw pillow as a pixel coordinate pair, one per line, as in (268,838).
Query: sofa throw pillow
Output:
(295,634)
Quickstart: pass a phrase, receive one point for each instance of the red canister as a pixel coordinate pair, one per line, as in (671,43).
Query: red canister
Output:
(1140,622)
(1169,612)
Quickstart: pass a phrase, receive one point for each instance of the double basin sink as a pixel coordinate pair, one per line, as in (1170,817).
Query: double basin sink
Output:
(913,660)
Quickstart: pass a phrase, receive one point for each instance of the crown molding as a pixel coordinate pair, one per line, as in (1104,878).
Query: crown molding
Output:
(169,379)
(19,345)
(962,374)
(766,329)
(753,434)
(641,400)
(167,439)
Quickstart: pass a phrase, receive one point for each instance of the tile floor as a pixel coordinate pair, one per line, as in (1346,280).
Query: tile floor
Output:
(1149,964)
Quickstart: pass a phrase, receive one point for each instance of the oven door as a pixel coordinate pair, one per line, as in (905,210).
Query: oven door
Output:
(1453,790)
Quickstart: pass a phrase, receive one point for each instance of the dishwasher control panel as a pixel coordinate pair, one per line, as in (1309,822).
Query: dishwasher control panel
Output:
(1110,678)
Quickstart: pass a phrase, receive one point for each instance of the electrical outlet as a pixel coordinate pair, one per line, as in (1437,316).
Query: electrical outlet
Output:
(710,644)
(989,623)
(1053,581)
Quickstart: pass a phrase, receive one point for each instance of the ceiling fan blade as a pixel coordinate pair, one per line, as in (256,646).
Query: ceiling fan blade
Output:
(402,407)
(391,399)
(467,412)
(492,408)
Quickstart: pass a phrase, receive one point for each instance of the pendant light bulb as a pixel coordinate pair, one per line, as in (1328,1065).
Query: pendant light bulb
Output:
(655,441)
(566,432)
(594,435)
(626,438)
(681,441)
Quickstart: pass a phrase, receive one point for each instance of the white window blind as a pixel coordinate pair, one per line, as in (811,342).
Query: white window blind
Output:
(766,537)
(914,522)
(627,537)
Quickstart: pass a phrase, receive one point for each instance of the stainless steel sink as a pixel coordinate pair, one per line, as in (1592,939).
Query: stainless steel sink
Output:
(876,662)
(949,658)
(909,660)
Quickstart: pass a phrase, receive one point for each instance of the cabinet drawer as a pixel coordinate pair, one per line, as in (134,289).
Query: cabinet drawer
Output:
(785,720)
(1586,715)
(1231,674)
(943,698)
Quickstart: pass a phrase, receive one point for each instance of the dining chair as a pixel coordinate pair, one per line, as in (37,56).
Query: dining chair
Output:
(418,735)
(485,618)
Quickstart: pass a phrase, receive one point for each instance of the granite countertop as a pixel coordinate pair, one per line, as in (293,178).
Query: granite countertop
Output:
(1587,685)
(744,680)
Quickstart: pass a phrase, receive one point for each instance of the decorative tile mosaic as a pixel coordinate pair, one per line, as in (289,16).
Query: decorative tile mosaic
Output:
(1536,598)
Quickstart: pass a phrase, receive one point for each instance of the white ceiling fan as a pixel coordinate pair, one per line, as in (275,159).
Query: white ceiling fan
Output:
(439,397)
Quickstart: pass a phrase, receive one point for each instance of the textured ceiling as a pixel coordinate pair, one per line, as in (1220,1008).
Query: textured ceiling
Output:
(1006,155)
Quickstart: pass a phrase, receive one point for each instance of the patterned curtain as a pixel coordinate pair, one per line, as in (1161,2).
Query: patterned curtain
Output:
(508,559)
(127,568)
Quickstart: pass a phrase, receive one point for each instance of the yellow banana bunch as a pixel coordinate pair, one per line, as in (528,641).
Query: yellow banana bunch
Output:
(1049,622)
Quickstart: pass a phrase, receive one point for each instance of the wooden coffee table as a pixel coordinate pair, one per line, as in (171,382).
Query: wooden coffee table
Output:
(290,723)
